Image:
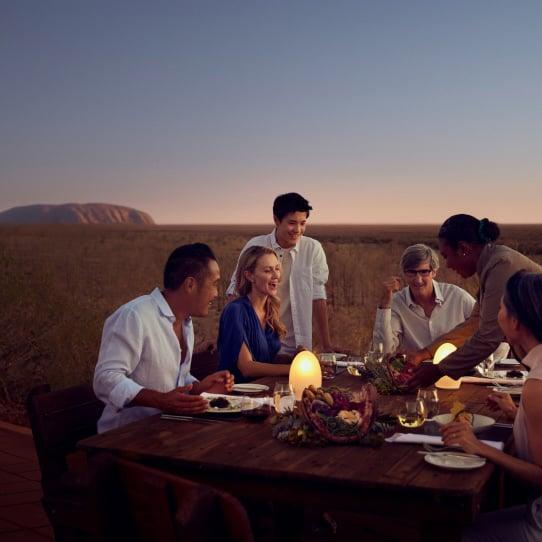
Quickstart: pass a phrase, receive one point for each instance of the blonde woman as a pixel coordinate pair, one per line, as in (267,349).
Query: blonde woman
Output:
(250,329)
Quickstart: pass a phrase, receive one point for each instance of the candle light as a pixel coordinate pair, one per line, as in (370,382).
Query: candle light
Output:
(304,371)
(445,383)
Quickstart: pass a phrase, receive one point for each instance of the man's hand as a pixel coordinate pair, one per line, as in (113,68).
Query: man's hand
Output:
(178,401)
(425,375)
(389,286)
(220,382)
(415,358)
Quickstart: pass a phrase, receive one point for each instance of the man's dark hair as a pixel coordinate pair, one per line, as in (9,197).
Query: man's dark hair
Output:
(187,261)
(523,299)
(290,203)
(468,229)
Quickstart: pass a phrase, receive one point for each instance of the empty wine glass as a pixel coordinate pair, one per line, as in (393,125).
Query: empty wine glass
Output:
(430,399)
(283,397)
(328,364)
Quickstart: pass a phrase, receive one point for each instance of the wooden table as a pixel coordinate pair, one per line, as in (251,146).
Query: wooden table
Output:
(393,482)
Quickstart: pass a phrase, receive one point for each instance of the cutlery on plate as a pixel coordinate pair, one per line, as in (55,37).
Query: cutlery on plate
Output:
(188,418)
(453,454)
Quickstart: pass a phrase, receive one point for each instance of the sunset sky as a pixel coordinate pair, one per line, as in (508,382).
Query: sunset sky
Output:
(202,112)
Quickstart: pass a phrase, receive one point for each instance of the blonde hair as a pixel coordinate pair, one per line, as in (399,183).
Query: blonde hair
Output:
(248,262)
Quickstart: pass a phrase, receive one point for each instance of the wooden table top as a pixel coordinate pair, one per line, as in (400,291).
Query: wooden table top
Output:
(243,453)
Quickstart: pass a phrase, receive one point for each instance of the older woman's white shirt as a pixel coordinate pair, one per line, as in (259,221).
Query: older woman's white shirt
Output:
(406,326)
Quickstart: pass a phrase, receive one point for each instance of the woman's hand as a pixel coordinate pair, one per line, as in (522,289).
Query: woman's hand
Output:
(460,433)
(503,402)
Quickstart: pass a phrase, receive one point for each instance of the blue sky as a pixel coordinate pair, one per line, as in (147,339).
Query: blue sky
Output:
(202,112)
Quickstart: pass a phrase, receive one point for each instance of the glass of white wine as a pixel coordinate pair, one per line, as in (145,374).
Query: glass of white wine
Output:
(283,398)
(412,414)
(430,399)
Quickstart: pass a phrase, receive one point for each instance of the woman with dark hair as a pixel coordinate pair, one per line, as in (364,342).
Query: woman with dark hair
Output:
(520,319)
(467,245)
(250,329)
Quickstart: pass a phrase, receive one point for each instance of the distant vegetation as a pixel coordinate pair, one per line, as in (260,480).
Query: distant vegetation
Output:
(59,283)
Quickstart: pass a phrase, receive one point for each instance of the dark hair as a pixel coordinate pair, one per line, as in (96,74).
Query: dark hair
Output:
(523,300)
(290,203)
(468,229)
(187,261)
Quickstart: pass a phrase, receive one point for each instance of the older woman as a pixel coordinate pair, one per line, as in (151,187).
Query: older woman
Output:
(410,318)
(467,245)
(520,318)
(250,330)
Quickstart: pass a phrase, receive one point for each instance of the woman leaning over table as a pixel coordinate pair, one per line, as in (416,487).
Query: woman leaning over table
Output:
(250,330)
(520,318)
(468,246)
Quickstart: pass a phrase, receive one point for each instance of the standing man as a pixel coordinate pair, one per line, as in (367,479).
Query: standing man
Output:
(147,344)
(302,291)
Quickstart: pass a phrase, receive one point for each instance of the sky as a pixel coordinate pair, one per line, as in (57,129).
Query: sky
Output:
(202,112)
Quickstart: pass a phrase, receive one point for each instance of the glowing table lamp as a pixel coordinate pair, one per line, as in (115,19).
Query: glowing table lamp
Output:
(445,383)
(304,371)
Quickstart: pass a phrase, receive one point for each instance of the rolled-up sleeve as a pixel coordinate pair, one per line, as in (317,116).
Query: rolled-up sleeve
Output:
(120,352)
(320,273)
(387,330)
(488,336)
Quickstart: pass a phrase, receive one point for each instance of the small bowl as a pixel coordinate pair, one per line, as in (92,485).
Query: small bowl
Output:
(479,423)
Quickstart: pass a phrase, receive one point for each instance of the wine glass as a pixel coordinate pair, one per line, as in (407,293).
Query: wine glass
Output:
(412,413)
(283,397)
(486,366)
(430,399)
(328,364)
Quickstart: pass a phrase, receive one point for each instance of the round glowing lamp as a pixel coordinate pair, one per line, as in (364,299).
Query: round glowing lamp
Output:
(445,383)
(304,371)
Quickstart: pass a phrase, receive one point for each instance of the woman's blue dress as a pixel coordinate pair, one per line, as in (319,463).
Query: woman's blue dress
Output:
(239,324)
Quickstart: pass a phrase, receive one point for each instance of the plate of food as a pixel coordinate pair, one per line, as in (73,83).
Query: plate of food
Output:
(455,460)
(458,413)
(250,387)
(224,405)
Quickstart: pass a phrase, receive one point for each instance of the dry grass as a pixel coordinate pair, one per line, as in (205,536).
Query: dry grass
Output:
(59,283)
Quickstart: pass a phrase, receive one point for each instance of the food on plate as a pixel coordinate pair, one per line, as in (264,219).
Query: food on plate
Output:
(459,414)
(514,374)
(219,402)
(337,415)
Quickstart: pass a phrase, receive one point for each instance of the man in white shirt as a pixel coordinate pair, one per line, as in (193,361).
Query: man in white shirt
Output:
(147,344)
(302,289)
(410,318)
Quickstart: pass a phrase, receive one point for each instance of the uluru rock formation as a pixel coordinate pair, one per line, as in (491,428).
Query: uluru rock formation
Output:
(75,213)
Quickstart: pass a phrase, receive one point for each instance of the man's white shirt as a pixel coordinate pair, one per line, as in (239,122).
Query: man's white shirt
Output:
(140,349)
(308,277)
(405,324)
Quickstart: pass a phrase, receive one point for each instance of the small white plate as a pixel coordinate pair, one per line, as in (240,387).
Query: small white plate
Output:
(250,388)
(455,461)
(479,423)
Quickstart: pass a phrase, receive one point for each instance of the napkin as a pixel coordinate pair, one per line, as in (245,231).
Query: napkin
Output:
(239,398)
(495,380)
(416,438)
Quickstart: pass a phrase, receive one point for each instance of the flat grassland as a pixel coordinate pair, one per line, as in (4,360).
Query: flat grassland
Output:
(59,283)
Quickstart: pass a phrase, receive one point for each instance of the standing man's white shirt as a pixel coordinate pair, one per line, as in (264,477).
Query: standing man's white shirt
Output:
(139,349)
(308,277)
(405,324)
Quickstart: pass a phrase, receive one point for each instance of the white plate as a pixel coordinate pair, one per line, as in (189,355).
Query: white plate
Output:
(455,461)
(479,423)
(250,388)
(338,356)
